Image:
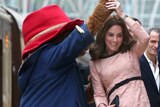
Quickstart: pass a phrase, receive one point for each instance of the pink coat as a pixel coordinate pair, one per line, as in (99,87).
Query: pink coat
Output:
(105,73)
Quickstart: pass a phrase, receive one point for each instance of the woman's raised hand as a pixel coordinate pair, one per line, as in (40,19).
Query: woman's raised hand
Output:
(115,5)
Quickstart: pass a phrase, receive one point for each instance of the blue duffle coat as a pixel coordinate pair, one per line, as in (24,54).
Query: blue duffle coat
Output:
(50,77)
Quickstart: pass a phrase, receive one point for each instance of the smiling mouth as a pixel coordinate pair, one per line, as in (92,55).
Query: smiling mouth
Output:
(114,44)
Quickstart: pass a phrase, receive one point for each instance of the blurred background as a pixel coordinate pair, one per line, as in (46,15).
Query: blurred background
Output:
(12,14)
(147,11)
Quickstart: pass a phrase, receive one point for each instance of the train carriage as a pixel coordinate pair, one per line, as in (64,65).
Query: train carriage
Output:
(11,46)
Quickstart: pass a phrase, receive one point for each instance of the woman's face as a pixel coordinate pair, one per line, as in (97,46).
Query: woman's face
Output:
(114,39)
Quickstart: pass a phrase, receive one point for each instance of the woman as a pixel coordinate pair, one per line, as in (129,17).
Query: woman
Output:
(114,65)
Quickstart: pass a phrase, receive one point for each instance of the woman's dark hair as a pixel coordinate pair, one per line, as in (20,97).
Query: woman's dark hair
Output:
(98,48)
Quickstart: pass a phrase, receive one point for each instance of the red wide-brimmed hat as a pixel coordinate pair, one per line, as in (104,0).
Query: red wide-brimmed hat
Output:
(43,25)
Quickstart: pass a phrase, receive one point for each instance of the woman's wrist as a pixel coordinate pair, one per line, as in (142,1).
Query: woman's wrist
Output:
(123,16)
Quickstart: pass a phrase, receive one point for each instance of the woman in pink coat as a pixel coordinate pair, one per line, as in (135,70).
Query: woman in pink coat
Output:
(114,65)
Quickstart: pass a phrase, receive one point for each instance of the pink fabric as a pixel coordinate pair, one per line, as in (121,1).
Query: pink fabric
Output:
(105,73)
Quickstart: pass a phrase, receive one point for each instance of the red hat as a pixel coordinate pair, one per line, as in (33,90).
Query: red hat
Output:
(43,25)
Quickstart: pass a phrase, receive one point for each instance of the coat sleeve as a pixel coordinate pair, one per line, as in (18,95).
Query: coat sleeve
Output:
(70,48)
(141,37)
(98,88)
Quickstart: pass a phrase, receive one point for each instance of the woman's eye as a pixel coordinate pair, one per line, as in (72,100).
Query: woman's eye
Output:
(119,35)
(110,34)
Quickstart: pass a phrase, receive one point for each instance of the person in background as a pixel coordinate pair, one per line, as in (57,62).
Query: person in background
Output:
(49,75)
(149,65)
(83,63)
(114,66)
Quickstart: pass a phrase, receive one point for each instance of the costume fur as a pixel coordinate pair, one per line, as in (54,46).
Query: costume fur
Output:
(98,17)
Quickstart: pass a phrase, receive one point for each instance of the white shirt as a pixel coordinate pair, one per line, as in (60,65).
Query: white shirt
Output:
(155,71)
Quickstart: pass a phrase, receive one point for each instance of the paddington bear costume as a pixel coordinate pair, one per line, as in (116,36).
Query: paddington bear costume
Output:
(49,75)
